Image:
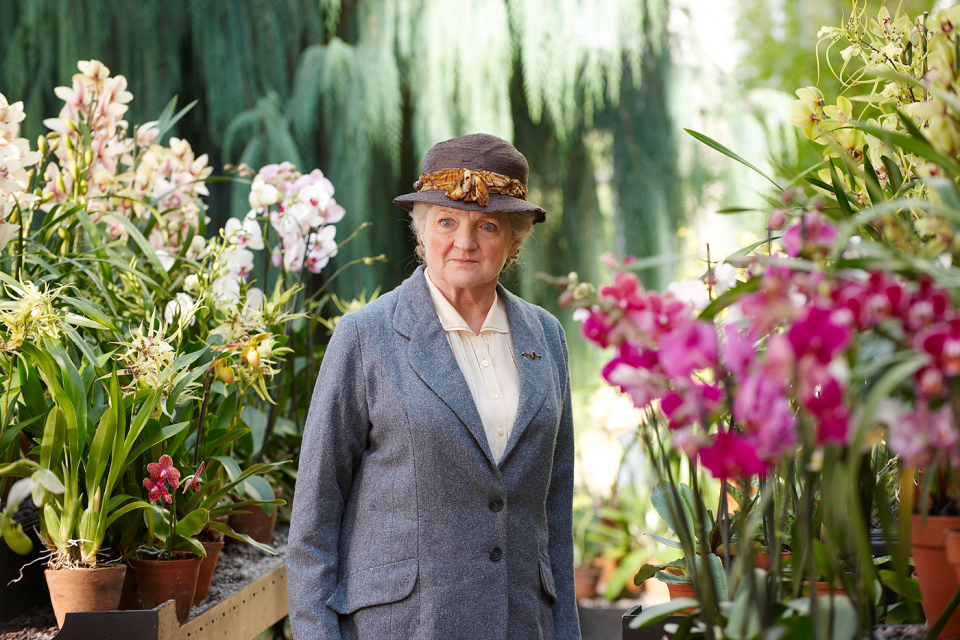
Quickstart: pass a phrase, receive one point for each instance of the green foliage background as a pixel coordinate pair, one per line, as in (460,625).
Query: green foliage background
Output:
(362,88)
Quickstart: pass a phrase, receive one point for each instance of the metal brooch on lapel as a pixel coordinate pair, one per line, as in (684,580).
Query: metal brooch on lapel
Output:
(533,355)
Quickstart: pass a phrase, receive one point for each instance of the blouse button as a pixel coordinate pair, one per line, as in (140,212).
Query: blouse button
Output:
(500,431)
(485,363)
(495,396)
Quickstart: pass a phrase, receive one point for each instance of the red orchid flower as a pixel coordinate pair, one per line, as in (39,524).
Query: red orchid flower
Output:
(193,482)
(164,471)
(157,490)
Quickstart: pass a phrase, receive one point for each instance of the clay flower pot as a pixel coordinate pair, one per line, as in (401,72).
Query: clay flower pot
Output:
(93,589)
(162,580)
(257,524)
(207,565)
(953,550)
(928,546)
(129,598)
(765,561)
(585,582)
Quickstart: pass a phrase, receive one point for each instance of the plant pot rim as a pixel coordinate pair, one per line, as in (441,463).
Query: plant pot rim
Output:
(113,567)
(186,559)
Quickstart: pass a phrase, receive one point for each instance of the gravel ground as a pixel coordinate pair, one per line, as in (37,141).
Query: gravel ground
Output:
(239,565)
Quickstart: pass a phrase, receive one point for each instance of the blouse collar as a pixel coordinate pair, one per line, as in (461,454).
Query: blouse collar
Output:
(451,320)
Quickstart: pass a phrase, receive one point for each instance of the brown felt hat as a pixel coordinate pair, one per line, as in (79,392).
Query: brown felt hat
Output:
(478,172)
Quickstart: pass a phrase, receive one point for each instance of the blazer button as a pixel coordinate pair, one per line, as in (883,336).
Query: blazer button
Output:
(496,554)
(496,504)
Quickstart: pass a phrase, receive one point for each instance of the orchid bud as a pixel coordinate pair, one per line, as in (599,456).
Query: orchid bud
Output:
(71,125)
(226,374)
(42,145)
(54,144)
(777,219)
(253,359)
(69,143)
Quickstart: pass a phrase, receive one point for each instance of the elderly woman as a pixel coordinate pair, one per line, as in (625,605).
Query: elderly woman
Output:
(435,484)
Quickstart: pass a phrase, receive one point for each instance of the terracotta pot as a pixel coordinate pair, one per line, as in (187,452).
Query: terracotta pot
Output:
(162,580)
(257,524)
(952,547)
(823,589)
(207,565)
(585,582)
(681,591)
(129,598)
(93,589)
(764,560)
(928,547)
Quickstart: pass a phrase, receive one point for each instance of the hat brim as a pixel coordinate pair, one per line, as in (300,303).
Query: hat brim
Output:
(499,203)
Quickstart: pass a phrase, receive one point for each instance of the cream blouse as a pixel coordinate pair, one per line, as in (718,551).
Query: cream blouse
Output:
(487,363)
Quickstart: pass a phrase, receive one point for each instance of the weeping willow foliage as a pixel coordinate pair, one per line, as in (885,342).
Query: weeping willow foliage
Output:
(362,88)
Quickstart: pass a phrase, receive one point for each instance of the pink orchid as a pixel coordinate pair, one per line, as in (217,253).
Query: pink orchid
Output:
(689,402)
(193,482)
(927,306)
(739,351)
(164,471)
(771,305)
(827,404)
(626,292)
(819,334)
(731,455)
(596,328)
(923,435)
(636,375)
(810,234)
(942,343)
(762,409)
(691,347)
(157,490)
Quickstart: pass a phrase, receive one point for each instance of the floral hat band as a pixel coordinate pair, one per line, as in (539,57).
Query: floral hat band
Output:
(476,172)
(471,185)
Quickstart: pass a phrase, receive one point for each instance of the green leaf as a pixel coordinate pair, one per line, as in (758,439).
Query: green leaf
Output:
(915,143)
(54,434)
(658,612)
(186,543)
(257,487)
(871,180)
(894,177)
(672,578)
(229,532)
(646,572)
(728,298)
(233,469)
(892,581)
(839,192)
(713,144)
(193,523)
(143,244)
(675,544)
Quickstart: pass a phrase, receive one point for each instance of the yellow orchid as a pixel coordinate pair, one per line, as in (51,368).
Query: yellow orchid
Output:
(808,111)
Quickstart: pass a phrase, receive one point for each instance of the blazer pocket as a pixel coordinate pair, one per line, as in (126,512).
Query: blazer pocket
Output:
(378,585)
(546,579)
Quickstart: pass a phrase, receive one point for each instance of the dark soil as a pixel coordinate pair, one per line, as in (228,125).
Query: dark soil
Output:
(239,565)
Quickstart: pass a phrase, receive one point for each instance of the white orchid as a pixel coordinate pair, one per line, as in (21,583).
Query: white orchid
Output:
(322,248)
(263,194)
(245,234)
(8,231)
(239,261)
(182,307)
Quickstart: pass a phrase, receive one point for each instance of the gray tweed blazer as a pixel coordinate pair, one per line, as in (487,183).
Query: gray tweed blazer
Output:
(403,525)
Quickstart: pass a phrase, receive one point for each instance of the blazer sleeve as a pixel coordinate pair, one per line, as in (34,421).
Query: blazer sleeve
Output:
(566,623)
(334,439)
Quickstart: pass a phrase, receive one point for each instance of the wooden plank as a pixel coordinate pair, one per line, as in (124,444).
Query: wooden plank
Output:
(242,616)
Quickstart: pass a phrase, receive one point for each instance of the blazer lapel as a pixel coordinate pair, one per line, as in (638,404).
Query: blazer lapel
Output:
(535,373)
(432,359)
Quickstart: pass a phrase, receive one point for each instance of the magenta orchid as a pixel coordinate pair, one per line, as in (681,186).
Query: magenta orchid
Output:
(785,366)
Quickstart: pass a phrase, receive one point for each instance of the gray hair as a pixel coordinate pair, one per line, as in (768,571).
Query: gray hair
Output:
(521,223)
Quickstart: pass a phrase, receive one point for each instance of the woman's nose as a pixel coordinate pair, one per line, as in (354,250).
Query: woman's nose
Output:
(466,239)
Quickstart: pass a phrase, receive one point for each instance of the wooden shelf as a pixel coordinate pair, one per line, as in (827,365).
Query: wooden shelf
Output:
(242,616)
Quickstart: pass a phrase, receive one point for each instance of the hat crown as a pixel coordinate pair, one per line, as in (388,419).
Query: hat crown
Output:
(478,152)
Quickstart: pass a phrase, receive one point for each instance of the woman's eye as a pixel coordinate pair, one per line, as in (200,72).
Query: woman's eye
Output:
(489,226)
(446,223)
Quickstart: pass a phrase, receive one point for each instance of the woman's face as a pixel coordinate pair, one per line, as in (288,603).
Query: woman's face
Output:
(466,249)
